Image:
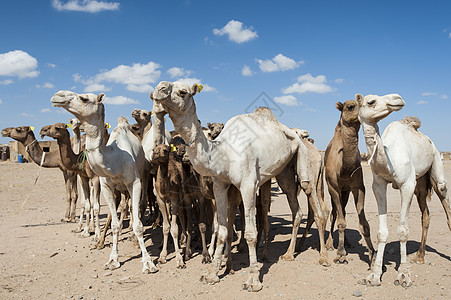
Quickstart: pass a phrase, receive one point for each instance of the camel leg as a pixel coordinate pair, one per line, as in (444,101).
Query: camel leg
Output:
(307,183)
(143,201)
(95,196)
(242,244)
(422,191)
(265,198)
(108,195)
(135,192)
(234,202)
(440,186)
(340,203)
(407,191)
(203,228)
(101,242)
(287,182)
(82,211)
(215,228)
(69,188)
(359,201)
(166,230)
(333,218)
(220,191)
(248,194)
(310,220)
(175,210)
(380,192)
(189,228)
(87,201)
(123,207)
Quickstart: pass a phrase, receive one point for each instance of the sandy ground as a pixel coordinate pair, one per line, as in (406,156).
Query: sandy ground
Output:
(40,258)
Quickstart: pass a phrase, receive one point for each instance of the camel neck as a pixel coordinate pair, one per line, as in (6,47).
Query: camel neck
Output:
(76,141)
(350,136)
(199,148)
(68,157)
(35,152)
(374,145)
(95,132)
(158,128)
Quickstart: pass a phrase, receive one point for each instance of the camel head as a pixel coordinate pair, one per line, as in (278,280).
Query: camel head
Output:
(161,153)
(18,133)
(215,129)
(349,111)
(373,108)
(75,124)
(142,115)
(55,131)
(83,106)
(303,134)
(175,97)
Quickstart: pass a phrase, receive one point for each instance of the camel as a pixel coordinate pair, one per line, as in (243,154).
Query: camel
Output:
(344,174)
(119,163)
(237,160)
(214,130)
(401,156)
(77,163)
(143,119)
(25,135)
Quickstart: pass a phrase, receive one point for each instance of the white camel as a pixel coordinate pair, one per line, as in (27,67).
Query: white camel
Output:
(401,156)
(119,163)
(251,149)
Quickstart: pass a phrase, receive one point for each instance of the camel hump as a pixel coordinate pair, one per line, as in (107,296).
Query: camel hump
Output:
(265,112)
(412,121)
(122,121)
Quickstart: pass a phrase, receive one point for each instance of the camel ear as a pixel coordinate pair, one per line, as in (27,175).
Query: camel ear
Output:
(151,96)
(339,106)
(208,124)
(359,99)
(100,97)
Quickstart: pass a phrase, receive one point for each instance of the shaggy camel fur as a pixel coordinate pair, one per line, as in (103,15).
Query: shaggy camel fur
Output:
(119,163)
(239,162)
(344,175)
(401,156)
(78,163)
(25,135)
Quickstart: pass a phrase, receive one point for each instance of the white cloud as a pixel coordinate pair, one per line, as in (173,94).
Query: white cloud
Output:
(18,63)
(279,63)
(120,100)
(52,66)
(26,115)
(176,72)
(6,82)
(428,94)
(289,100)
(96,87)
(90,6)
(1,102)
(137,77)
(246,71)
(307,83)
(191,81)
(45,110)
(444,96)
(236,32)
(339,80)
(46,85)
(422,102)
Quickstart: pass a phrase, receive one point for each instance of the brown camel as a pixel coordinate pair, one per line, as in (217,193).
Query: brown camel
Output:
(168,185)
(25,135)
(344,175)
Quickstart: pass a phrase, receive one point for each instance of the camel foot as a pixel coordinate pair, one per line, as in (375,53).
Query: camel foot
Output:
(403,278)
(252,285)
(100,245)
(112,264)
(85,234)
(373,279)
(324,261)
(341,259)
(419,258)
(149,267)
(180,264)
(210,279)
(188,254)
(78,230)
(162,260)
(206,258)
(287,256)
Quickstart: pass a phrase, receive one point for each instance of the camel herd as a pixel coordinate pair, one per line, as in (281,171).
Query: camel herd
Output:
(201,176)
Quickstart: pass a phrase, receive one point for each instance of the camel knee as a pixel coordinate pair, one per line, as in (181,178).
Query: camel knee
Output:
(382,235)
(403,232)
(202,227)
(251,237)
(114,227)
(306,186)
(138,227)
(222,234)
(166,228)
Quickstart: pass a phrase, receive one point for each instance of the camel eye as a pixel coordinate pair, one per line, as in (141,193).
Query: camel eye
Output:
(351,107)
(372,102)
(84,100)
(183,93)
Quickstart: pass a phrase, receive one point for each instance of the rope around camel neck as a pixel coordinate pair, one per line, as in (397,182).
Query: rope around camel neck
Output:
(26,147)
(375,148)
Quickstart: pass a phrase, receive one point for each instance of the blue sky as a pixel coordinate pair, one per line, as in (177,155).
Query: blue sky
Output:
(305,55)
